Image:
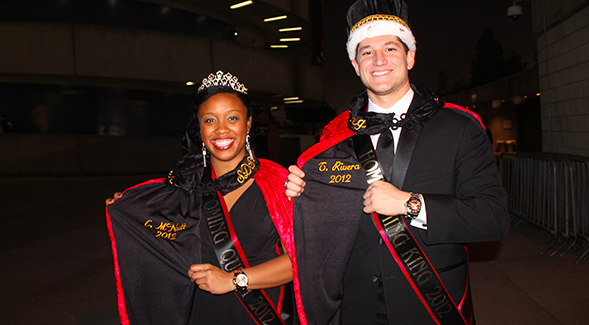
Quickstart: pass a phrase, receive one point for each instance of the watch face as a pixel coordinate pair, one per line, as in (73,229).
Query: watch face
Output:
(241,280)
(414,205)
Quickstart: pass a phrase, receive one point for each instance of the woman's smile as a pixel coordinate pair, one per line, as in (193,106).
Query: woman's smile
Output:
(222,143)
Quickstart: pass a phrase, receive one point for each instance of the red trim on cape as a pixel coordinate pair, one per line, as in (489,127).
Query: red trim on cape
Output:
(466,110)
(333,133)
(270,177)
(120,294)
(337,131)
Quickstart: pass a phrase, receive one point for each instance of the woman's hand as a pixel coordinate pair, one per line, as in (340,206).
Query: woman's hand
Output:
(114,197)
(211,278)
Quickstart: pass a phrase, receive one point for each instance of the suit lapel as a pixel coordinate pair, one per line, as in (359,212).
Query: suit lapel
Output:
(407,143)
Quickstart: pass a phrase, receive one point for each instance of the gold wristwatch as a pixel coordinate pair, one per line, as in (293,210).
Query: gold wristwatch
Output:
(413,205)
(240,280)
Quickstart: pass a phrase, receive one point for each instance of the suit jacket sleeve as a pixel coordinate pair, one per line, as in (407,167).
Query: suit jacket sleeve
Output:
(475,209)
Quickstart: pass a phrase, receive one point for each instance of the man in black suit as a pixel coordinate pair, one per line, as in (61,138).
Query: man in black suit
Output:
(381,237)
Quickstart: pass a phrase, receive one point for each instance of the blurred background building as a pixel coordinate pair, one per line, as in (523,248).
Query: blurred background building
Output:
(103,86)
(546,107)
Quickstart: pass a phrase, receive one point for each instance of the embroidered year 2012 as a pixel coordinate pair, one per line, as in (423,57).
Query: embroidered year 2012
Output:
(165,230)
(335,170)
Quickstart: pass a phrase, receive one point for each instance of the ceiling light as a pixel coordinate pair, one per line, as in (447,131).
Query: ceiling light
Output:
(275,18)
(294,101)
(278,46)
(241,4)
(189,83)
(290,29)
(289,98)
(291,39)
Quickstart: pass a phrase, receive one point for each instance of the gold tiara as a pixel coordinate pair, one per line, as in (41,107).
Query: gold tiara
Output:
(372,18)
(222,80)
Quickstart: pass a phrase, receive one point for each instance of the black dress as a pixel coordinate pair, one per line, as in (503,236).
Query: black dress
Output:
(260,242)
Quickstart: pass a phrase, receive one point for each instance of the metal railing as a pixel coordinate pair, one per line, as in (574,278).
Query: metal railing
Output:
(551,191)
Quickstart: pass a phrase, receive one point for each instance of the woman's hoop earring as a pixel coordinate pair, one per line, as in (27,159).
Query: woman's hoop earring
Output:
(204,155)
(248,147)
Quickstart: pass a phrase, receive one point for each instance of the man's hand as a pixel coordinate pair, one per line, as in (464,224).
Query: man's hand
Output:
(295,185)
(114,197)
(384,198)
(211,278)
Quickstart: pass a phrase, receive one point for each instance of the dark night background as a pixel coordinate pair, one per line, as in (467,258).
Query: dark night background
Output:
(446,34)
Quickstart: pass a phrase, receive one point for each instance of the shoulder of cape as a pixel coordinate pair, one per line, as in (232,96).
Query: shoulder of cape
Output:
(466,112)
(270,178)
(270,169)
(148,182)
(337,131)
(333,133)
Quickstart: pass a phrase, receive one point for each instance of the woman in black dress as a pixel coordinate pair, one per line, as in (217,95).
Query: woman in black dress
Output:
(221,215)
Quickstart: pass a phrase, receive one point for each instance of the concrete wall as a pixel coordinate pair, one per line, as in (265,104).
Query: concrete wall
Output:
(563,56)
(112,53)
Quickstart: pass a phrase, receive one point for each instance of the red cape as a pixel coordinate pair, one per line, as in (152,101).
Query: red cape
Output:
(269,178)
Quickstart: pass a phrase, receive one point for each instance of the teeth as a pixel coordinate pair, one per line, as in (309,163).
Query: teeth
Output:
(223,142)
(377,73)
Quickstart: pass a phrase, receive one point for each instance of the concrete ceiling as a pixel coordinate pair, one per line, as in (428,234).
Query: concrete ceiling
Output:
(249,21)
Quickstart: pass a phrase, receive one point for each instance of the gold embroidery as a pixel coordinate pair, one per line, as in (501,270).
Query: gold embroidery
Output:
(361,124)
(340,166)
(171,177)
(166,230)
(245,170)
(345,178)
(378,17)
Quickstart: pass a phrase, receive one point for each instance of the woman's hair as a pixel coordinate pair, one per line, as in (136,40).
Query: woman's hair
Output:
(192,135)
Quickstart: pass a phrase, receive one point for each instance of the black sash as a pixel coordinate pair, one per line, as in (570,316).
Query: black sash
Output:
(405,250)
(231,256)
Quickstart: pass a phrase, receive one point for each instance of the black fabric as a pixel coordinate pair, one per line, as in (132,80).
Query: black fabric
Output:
(363,278)
(378,122)
(326,219)
(188,171)
(157,231)
(364,8)
(153,274)
(451,164)
(385,150)
(259,239)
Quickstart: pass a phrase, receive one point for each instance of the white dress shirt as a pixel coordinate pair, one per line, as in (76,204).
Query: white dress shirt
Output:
(400,107)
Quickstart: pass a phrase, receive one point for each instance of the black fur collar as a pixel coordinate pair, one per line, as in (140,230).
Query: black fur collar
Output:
(363,122)
(189,175)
